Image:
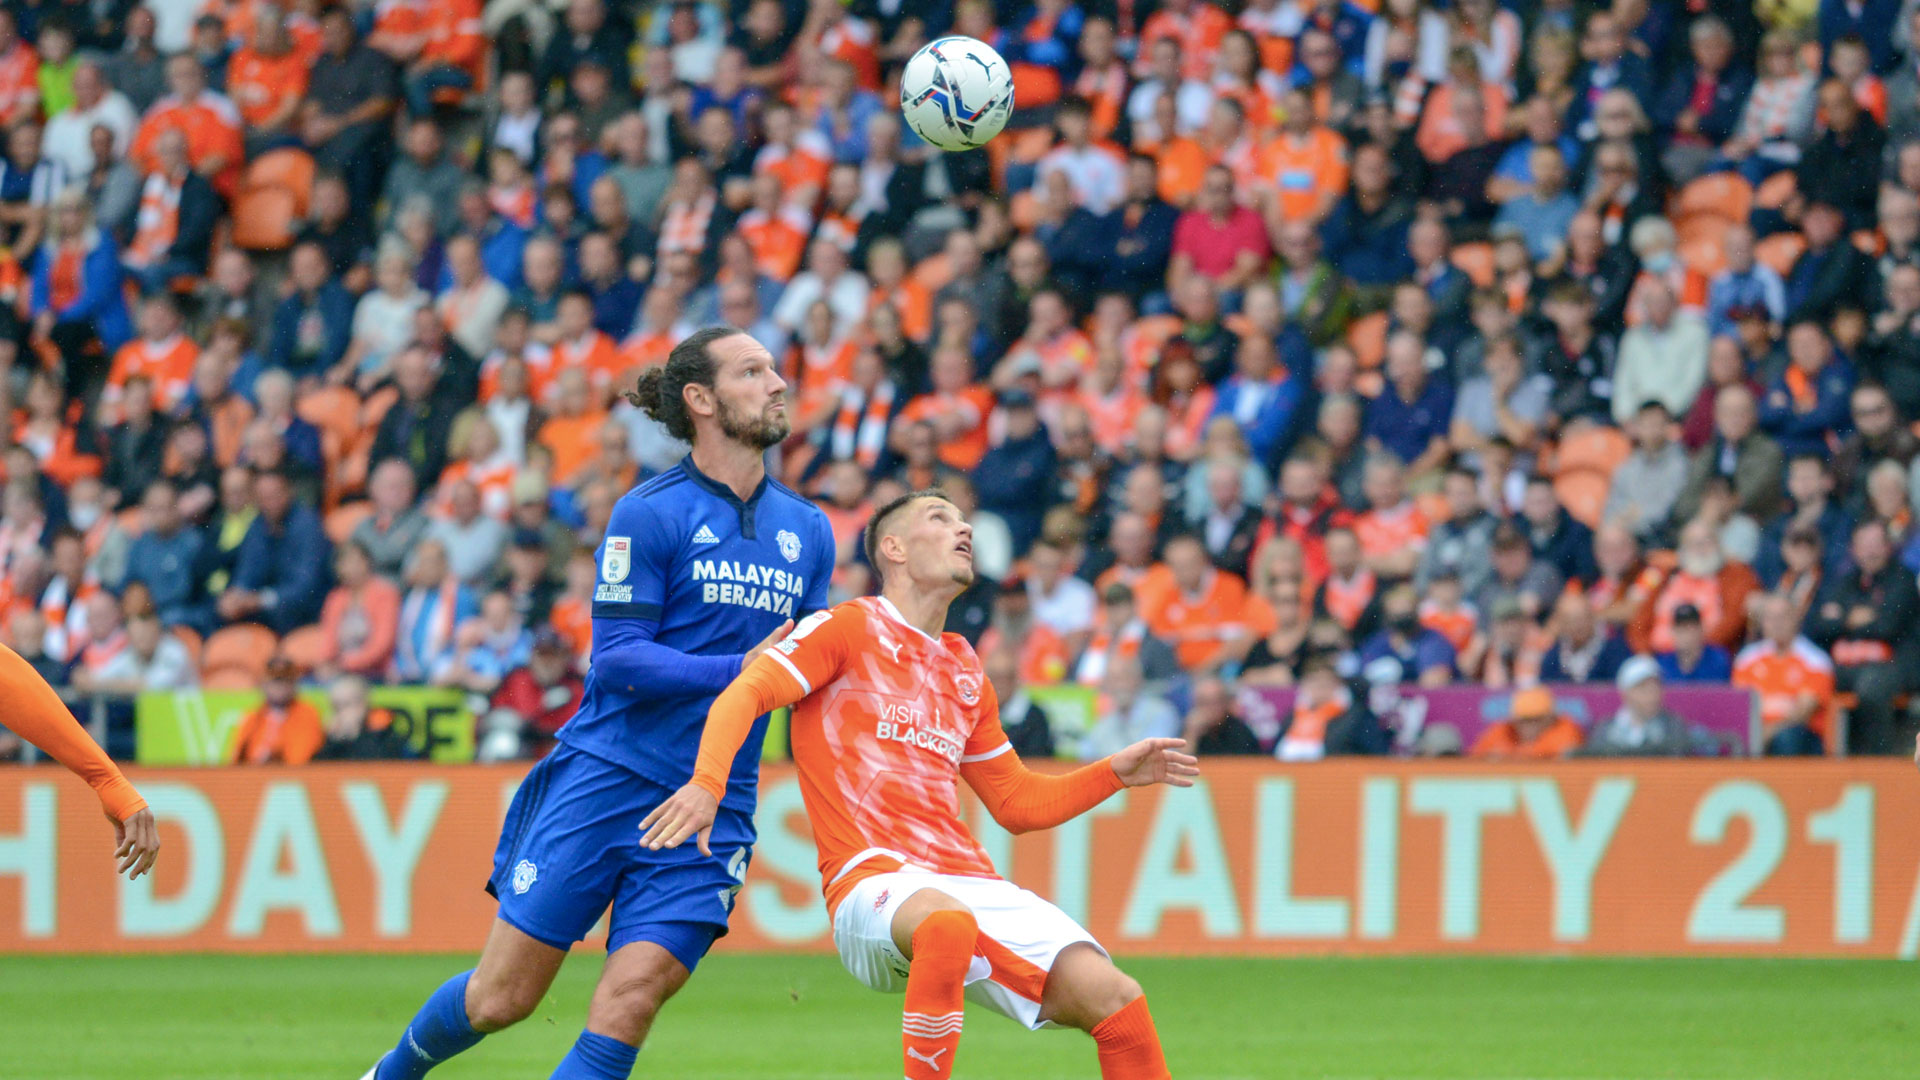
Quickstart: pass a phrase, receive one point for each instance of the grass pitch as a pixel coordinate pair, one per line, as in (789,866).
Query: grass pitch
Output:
(764,1017)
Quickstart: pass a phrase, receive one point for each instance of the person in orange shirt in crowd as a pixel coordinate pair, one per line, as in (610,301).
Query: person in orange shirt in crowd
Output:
(283,730)
(1791,679)
(267,80)
(1445,610)
(1103,80)
(19,74)
(1052,348)
(1535,732)
(1204,616)
(1706,578)
(798,157)
(1196,25)
(1306,163)
(480,459)
(208,120)
(1439,135)
(162,353)
(1393,531)
(572,614)
(653,336)
(572,432)
(1043,656)
(775,229)
(579,346)
(1349,593)
(1326,721)
(439,44)
(956,407)
(893,285)
(178,215)
(361,618)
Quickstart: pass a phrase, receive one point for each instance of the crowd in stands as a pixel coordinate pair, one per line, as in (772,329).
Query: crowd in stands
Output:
(1309,344)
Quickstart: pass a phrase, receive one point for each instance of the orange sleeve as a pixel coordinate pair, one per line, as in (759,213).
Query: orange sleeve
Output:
(36,714)
(1020,799)
(763,687)
(243,738)
(808,658)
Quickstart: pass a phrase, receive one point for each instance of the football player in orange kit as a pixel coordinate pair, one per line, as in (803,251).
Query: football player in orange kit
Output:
(35,713)
(888,713)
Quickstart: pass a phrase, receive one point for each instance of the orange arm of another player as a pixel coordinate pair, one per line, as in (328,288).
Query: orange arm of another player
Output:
(765,685)
(35,713)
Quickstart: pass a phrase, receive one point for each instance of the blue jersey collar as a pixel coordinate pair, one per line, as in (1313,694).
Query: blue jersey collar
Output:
(726,494)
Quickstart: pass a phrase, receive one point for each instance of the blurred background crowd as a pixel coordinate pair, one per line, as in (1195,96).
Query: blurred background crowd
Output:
(1277,344)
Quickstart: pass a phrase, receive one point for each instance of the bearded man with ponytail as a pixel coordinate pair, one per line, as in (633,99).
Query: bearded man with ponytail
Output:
(703,568)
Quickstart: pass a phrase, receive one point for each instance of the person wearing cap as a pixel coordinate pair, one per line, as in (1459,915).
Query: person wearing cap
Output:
(1643,726)
(1012,478)
(1534,731)
(1693,659)
(541,695)
(283,730)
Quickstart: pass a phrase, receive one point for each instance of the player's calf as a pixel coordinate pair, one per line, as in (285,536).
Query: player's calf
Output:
(937,933)
(1085,990)
(638,980)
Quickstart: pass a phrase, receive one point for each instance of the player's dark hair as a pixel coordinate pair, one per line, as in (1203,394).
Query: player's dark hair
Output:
(661,391)
(877,527)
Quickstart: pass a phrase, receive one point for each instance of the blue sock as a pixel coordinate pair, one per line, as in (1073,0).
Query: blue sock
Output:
(597,1057)
(439,1031)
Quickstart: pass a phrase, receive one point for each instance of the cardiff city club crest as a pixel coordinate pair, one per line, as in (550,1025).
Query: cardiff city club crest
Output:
(789,545)
(524,875)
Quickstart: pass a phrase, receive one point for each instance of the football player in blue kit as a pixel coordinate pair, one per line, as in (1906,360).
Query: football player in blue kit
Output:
(703,567)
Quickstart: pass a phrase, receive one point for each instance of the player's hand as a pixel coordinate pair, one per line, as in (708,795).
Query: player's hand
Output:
(136,844)
(768,642)
(688,812)
(1156,761)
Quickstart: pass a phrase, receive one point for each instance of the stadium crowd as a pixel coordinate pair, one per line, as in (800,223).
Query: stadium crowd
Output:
(1277,343)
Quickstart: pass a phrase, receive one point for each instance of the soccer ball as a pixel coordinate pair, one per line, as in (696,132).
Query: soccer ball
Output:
(956,93)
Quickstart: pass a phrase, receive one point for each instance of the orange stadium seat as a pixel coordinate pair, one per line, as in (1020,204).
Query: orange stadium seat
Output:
(1775,190)
(1584,494)
(341,523)
(264,219)
(1703,242)
(289,169)
(190,638)
(307,647)
(1367,337)
(1727,195)
(243,646)
(1474,260)
(333,409)
(1780,250)
(1583,470)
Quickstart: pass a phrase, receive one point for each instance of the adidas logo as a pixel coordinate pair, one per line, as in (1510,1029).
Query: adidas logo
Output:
(705,536)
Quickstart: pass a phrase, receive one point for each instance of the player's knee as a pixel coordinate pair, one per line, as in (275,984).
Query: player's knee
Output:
(491,1008)
(631,1002)
(1119,992)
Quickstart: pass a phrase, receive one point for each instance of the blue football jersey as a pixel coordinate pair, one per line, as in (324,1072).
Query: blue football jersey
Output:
(717,575)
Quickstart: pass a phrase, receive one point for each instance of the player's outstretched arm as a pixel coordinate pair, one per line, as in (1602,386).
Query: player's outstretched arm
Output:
(625,654)
(1022,800)
(35,713)
(764,686)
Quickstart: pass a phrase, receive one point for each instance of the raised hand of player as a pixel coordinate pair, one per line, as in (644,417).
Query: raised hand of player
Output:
(1156,761)
(136,844)
(687,812)
(767,642)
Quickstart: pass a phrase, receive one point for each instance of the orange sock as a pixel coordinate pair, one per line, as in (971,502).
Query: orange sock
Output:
(936,991)
(1129,1045)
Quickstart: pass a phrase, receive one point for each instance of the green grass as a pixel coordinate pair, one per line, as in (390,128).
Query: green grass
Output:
(759,1017)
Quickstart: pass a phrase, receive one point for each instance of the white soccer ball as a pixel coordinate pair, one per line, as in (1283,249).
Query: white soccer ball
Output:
(956,93)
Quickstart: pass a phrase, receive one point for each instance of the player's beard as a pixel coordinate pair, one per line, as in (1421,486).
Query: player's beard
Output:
(759,432)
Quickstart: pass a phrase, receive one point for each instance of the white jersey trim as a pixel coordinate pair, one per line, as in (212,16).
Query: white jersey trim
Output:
(993,753)
(805,686)
(870,853)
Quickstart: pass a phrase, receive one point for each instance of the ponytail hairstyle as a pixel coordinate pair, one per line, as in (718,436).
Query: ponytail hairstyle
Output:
(661,391)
